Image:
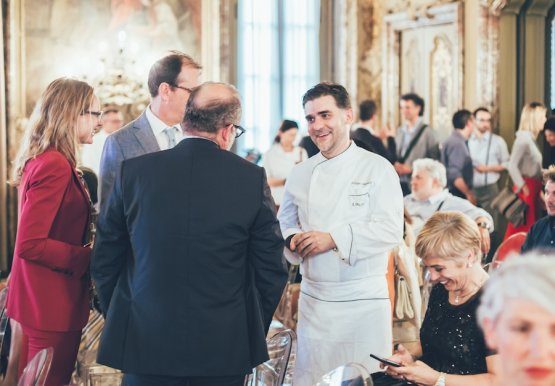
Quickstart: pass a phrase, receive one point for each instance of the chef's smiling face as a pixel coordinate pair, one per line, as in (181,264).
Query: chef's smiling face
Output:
(328,125)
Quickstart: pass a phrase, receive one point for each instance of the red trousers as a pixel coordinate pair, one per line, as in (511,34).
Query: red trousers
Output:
(65,345)
(533,200)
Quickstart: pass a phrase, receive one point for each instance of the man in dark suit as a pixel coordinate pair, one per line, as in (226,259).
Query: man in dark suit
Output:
(364,136)
(194,303)
(170,81)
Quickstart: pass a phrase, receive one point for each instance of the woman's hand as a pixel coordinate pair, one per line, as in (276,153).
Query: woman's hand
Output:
(525,190)
(402,356)
(418,372)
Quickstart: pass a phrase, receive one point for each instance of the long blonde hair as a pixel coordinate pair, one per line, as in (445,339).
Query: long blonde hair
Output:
(532,118)
(54,123)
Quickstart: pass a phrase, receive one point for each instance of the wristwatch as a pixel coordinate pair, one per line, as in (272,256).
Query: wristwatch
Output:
(483,224)
(441,380)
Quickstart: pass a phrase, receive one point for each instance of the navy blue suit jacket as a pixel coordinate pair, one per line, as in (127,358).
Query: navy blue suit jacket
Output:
(188,263)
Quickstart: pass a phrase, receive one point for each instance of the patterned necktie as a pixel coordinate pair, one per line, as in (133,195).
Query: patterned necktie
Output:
(170,133)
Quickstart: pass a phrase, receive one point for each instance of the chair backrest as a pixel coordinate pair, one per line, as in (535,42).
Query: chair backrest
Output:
(351,374)
(3,317)
(105,377)
(508,247)
(86,357)
(281,347)
(36,371)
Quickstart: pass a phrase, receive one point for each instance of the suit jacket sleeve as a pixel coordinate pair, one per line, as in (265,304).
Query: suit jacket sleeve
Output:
(454,161)
(111,247)
(110,163)
(43,198)
(266,255)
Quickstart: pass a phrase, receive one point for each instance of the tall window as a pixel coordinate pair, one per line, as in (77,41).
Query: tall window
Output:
(278,61)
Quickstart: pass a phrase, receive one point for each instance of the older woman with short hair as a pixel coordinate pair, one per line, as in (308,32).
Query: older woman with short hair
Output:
(517,314)
(453,346)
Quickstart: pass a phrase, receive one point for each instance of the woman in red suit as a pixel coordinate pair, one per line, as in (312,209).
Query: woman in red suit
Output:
(49,283)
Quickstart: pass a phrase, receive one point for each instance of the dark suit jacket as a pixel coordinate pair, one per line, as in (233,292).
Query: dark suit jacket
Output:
(134,139)
(365,139)
(49,288)
(202,228)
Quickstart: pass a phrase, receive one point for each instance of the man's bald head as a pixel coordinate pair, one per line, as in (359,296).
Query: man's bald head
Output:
(212,106)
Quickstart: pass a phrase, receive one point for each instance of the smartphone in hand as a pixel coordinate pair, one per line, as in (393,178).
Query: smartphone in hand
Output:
(386,361)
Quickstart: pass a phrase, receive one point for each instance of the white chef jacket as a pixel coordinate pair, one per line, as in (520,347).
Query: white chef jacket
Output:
(344,310)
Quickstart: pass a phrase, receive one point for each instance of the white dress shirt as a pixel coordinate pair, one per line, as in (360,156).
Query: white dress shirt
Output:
(422,210)
(158,128)
(498,155)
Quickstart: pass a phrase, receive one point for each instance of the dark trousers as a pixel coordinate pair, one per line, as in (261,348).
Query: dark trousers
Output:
(160,380)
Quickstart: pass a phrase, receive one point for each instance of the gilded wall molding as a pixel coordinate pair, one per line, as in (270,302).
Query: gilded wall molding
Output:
(445,15)
(369,48)
(346,46)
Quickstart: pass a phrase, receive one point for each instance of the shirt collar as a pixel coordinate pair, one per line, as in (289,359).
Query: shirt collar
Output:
(485,136)
(361,126)
(410,129)
(438,197)
(187,136)
(157,125)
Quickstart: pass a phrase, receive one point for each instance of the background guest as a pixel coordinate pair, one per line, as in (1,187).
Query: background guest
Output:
(525,163)
(170,82)
(414,139)
(542,234)
(307,144)
(518,317)
(49,287)
(456,156)
(429,196)
(282,156)
(549,145)
(454,351)
(366,136)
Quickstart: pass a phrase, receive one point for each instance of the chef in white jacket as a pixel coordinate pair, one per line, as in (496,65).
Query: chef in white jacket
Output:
(341,214)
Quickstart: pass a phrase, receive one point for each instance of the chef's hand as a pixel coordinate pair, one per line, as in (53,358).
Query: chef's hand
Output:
(311,243)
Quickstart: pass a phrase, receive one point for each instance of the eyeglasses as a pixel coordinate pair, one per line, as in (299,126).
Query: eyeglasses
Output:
(238,130)
(97,114)
(189,90)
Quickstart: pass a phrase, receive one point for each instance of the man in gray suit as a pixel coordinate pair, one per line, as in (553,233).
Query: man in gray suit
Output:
(414,139)
(170,82)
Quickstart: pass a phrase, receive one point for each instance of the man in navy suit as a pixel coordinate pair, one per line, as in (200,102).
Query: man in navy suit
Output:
(193,304)
(170,82)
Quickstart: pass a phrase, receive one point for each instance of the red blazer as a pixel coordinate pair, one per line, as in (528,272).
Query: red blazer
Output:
(49,282)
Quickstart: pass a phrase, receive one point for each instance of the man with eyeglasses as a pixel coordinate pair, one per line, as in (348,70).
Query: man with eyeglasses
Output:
(490,158)
(170,82)
(194,304)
